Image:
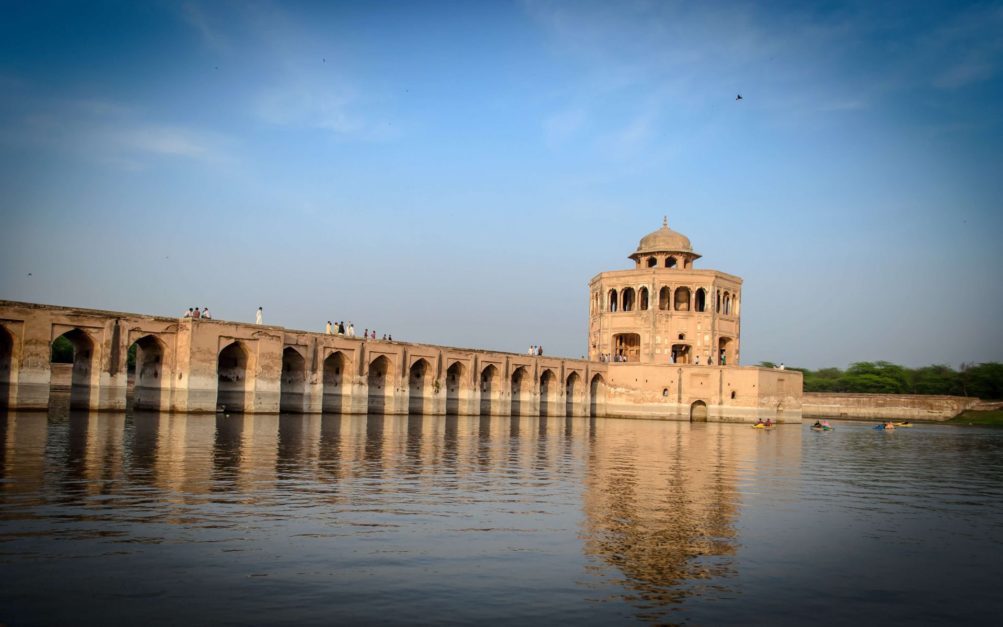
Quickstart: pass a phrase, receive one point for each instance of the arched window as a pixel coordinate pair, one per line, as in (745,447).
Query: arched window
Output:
(700,302)
(665,298)
(627,299)
(717,307)
(727,304)
(670,262)
(682,299)
(643,298)
(652,262)
(612,300)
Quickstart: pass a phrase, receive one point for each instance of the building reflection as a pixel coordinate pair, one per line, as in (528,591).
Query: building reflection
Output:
(661,504)
(23,436)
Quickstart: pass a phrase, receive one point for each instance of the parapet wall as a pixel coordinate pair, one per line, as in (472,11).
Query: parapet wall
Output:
(884,406)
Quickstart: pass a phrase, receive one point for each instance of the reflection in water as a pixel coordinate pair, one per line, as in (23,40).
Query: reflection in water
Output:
(476,518)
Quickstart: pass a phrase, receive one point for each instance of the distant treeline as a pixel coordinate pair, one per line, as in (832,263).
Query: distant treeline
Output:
(982,380)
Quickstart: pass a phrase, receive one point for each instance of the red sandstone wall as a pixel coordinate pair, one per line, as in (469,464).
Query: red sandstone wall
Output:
(882,406)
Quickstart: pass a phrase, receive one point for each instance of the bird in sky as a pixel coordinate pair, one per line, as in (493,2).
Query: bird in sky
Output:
(738,97)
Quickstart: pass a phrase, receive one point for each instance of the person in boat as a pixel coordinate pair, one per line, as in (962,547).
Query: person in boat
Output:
(825,423)
(760,422)
(817,425)
(889,425)
(769,422)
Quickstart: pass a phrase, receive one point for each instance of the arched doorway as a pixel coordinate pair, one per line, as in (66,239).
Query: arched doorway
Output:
(682,299)
(489,388)
(665,298)
(627,347)
(148,377)
(597,396)
(548,393)
(378,379)
(6,367)
(74,347)
(571,393)
(520,391)
(454,390)
(334,391)
(419,382)
(700,300)
(698,411)
(231,378)
(293,382)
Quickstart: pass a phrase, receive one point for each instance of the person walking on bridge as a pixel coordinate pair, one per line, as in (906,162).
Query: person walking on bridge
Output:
(259,316)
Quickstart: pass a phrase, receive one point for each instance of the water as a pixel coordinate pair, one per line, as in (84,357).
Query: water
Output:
(387,520)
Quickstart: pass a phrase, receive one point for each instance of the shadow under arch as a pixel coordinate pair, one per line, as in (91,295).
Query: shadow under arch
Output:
(571,393)
(148,382)
(231,378)
(489,389)
(597,396)
(6,366)
(418,384)
(520,391)
(454,387)
(378,379)
(335,367)
(292,386)
(548,390)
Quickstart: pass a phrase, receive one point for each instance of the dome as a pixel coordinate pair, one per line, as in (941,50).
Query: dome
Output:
(664,240)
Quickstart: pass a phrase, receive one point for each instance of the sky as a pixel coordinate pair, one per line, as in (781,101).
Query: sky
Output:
(456,172)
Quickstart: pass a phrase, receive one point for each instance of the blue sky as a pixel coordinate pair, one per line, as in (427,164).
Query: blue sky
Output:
(456,172)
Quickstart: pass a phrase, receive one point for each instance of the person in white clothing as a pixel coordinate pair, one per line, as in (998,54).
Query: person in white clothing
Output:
(258,317)
(351,329)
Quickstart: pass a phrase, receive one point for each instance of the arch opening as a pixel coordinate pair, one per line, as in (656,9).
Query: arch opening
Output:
(642,297)
(6,367)
(665,298)
(682,299)
(489,389)
(698,411)
(652,262)
(571,393)
(627,299)
(147,357)
(612,300)
(680,354)
(231,378)
(700,300)
(597,396)
(378,379)
(419,383)
(335,366)
(292,385)
(75,347)
(548,393)
(454,388)
(521,382)
(725,351)
(670,262)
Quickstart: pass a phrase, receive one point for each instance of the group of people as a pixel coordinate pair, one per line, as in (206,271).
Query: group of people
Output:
(535,350)
(768,423)
(339,328)
(193,312)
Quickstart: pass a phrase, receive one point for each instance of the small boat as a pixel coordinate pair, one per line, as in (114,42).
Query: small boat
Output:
(885,427)
(761,426)
(903,424)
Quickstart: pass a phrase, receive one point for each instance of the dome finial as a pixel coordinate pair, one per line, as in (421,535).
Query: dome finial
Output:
(665,221)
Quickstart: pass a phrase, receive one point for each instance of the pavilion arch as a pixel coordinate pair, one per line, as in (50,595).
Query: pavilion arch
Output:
(700,300)
(665,298)
(726,351)
(627,299)
(419,385)
(488,382)
(148,386)
(612,300)
(698,411)
(597,396)
(231,378)
(642,299)
(549,392)
(572,392)
(379,377)
(81,377)
(293,382)
(682,299)
(726,303)
(336,366)
(455,392)
(522,389)
(717,302)
(652,262)
(670,262)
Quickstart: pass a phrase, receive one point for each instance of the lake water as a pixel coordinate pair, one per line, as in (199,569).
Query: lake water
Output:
(263,520)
